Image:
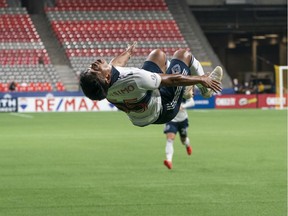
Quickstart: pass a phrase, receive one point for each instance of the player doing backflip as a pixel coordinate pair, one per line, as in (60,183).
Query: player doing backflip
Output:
(151,94)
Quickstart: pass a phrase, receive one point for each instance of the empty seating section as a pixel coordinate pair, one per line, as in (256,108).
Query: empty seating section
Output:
(111,5)
(143,30)
(103,28)
(23,57)
(17,27)
(3,3)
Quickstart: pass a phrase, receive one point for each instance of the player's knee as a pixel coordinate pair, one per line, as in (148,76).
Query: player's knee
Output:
(157,54)
(183,139)
(158,57)
(170,136)
(183,55)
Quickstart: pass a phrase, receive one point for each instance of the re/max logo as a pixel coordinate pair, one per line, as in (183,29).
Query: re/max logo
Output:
(61,104)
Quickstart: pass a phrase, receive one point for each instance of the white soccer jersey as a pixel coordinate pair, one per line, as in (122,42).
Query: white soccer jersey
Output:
(129,93)
(182,114)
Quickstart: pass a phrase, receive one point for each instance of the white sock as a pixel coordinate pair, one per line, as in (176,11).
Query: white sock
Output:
(168,63)
(186,142)
(196,68)
(169,149)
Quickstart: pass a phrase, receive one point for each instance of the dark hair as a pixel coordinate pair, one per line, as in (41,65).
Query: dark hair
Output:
(92,86)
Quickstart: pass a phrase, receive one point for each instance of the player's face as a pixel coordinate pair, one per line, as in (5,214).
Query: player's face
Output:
(101,68)
(100,65)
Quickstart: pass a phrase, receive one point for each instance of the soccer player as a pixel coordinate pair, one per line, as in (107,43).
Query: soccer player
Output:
(179,124)
(146,95)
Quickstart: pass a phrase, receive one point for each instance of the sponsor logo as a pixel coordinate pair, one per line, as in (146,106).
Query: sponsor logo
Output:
(201,102)
(176,69)
(272,101)
(23,103)
(8,104)
(225,101)
(62,104)
(246,101)
(67,104)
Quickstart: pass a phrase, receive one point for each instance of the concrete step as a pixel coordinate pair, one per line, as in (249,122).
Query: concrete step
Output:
(56,52)
(195,37)
(68,77)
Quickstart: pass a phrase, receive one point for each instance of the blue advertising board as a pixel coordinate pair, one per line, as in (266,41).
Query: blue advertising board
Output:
(204,103)
(8,104)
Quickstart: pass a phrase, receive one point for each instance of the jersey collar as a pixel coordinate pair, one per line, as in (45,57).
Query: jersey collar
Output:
(114,76)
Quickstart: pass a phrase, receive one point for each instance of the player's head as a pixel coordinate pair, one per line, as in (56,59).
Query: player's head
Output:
(95,80)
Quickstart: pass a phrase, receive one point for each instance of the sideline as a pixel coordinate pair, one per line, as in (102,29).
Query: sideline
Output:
(22,115)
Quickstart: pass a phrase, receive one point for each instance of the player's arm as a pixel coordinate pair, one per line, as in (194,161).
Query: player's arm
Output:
(182,80)
(122,59)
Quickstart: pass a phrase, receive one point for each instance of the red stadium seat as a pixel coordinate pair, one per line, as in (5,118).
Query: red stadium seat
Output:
(22,54)
(92,28)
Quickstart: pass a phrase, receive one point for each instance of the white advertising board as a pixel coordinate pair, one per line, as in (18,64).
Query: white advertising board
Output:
(62,104)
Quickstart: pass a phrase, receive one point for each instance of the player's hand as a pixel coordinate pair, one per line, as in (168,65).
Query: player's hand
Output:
(210,83)
(131,48)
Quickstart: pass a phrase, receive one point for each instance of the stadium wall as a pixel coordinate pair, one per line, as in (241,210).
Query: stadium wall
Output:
(34,7)
(76,102)
(222,2)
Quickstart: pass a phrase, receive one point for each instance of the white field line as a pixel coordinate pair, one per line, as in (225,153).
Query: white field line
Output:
(22,115)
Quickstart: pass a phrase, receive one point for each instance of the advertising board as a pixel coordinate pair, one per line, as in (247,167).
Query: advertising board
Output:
(62,104)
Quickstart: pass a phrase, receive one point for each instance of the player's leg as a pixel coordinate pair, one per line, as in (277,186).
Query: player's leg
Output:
(183,55)
(197,69)
(172,96)
(183,126)
(186,57)
(170,130)
(169,150)
(156,61)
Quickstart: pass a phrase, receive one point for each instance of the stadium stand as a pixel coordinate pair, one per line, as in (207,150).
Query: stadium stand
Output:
(3,4)
(94,28)
(86,30)
(196,39)
(24,59)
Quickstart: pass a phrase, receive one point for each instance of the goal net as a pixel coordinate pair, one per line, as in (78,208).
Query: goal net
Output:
(281,82)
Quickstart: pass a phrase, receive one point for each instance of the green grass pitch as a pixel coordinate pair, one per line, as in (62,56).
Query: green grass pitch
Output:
(82,164)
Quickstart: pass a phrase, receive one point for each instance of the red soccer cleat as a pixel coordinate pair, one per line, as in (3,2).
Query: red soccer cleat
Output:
(168,164)
(189,150)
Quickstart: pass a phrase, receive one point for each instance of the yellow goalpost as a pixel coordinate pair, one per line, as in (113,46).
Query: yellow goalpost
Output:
(281,82)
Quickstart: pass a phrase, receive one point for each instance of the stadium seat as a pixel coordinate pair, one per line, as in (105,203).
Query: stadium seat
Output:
(23,57)
(92,28)
(3,4)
